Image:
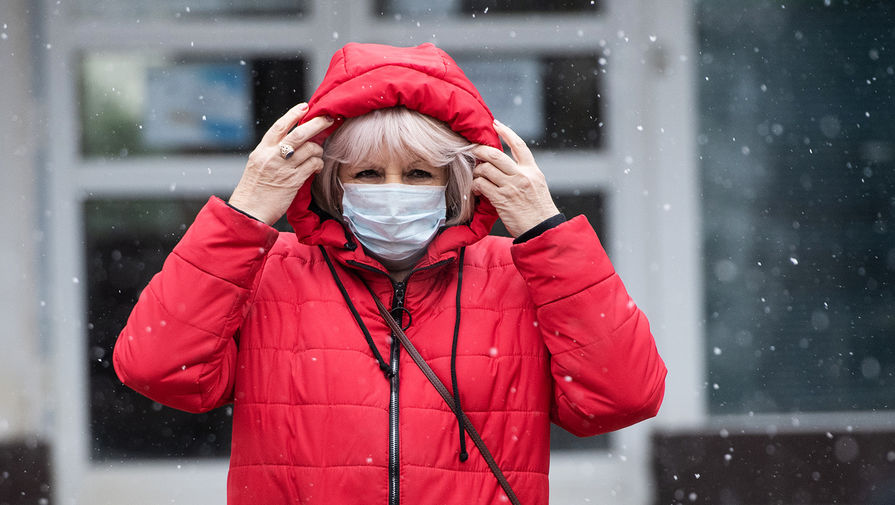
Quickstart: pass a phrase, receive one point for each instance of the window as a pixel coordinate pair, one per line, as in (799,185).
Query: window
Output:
(551,101)
(127,241)
(174,10)
(140,104)
(592,205)
(799,181)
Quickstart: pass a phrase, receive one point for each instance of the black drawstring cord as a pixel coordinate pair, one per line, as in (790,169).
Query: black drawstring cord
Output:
(386,370)
(463,454)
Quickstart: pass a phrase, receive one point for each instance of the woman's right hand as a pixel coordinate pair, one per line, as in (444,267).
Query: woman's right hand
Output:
(270,182)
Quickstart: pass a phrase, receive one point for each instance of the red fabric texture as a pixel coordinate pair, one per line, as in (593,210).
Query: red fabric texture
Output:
(241,313)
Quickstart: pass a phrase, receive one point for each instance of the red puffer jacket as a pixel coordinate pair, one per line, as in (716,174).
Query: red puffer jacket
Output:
(241,313)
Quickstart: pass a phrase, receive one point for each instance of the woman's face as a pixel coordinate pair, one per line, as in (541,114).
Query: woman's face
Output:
(390,171)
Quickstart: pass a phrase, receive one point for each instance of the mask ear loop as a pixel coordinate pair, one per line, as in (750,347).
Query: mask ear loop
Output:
(350,239)
(341,193)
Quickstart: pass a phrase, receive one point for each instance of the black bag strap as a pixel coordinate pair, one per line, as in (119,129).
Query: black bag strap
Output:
(448,398)
(427,371)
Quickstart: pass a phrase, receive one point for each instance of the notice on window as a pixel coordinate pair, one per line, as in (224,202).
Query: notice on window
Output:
(198,106)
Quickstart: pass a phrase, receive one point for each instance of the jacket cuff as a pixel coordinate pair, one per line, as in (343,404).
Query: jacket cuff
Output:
(550,222)
(244,213)
(562,261)
(226,244)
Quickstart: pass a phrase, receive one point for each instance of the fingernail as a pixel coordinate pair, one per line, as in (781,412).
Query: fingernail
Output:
(328,118)
(302,106)
(498,123)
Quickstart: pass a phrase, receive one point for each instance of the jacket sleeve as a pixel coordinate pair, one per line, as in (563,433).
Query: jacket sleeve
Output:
(178,347)
(607,373)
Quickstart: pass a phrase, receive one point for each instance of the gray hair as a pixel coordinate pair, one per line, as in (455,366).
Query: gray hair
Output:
(406,135)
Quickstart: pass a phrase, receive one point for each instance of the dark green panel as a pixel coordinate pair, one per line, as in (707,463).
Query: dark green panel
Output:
(796,141)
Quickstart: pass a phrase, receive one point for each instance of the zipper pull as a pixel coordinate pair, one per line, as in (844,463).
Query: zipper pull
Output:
(398,301)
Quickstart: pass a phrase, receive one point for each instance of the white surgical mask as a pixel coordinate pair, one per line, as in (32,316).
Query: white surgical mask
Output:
(395,222)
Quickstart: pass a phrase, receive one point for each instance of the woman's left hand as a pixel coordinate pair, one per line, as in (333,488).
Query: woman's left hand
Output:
(515,186)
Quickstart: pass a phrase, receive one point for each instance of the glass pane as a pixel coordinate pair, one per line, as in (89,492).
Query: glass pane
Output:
(139,104)
(799,184)
(126,243)
(186,10)
(554,102)
(411,8)
(590,203)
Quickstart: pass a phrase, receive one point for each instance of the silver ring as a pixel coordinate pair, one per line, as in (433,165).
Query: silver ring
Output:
(286,151)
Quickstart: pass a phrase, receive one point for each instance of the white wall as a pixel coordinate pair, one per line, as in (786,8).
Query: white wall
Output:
(20,364)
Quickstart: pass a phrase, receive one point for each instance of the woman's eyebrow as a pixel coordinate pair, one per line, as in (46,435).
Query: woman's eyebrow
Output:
(415,164)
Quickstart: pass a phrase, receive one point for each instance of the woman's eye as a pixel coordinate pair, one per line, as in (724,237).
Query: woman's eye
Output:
(419,174)
(366,174)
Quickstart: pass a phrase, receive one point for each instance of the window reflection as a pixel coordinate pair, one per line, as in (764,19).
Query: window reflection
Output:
(139,104)
(126,244)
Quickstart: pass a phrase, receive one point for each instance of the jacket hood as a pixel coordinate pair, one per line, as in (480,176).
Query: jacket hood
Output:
(366,77)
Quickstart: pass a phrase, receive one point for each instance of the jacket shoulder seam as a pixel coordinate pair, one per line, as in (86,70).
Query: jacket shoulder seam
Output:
(206,272)
(576,293)
(161,304)
(499,266)
(257,282)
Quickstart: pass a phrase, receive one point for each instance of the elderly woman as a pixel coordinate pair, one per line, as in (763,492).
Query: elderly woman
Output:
(331,401)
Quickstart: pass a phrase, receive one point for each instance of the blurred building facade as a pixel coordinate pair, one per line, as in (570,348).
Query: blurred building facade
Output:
(740,195)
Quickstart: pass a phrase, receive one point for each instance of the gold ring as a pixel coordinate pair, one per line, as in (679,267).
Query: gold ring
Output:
(286,151)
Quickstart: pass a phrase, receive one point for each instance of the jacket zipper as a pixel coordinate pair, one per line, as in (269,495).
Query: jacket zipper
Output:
(399,291)
(393,457)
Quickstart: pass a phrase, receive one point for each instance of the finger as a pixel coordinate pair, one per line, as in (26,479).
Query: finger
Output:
(281,126)
(486,188)
(305,151)
(304,132)
(310,166)
(521,152)
(491,173)
(497,158)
